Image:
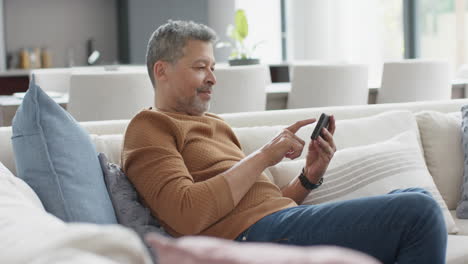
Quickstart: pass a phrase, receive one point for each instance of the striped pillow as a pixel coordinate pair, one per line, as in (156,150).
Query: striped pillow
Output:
(369,170)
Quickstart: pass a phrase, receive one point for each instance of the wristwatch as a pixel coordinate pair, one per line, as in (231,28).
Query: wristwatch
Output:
(306,183)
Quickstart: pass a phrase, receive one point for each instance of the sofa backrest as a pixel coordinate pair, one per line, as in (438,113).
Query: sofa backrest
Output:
(285,117)
(251,119)
(107,135)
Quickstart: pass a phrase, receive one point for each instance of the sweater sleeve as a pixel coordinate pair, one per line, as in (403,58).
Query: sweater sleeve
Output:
(153,163)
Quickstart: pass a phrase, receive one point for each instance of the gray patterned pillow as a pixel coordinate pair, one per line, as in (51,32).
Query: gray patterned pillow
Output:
(128,208)
(462,207)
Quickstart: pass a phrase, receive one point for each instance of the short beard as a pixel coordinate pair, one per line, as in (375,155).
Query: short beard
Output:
(196,106)
(200,106)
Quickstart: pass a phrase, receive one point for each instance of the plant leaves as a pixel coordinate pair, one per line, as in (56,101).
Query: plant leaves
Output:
(234,54)
(232,33)
(242,27)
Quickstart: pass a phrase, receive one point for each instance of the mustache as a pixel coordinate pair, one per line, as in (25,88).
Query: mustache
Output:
(204,89)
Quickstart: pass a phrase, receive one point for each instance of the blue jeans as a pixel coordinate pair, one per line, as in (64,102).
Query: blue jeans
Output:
(404,226)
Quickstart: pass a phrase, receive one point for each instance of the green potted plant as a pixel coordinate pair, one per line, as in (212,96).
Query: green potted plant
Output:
(241,53)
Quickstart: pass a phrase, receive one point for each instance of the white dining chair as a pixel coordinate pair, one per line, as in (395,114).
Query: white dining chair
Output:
(240,88)
(317,85)
(58,79)
(462,72)
(109,95)
(53,79)
(415,80)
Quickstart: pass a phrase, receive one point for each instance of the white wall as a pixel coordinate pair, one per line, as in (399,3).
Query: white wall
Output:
(220,15)
(61,25)
(144,16)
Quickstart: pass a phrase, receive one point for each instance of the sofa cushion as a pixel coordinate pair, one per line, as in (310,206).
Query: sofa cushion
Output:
(208,250)
(462,224)
(125,199)
(462,207)
(56,157)
(443,152)
(457,249)
(374,169)
(110,145)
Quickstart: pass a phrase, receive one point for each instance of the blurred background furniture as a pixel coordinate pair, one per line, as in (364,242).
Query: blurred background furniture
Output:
(10,103)
(58,79)
(277,93)
(462,72)
(54,79)
(415,80)
(240,88)
(109,95)
(461,76)
(315,85)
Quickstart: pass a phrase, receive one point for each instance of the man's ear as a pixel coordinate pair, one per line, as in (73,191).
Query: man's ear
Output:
(160,70)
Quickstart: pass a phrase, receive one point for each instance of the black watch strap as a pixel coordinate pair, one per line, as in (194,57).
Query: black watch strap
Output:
(306,183)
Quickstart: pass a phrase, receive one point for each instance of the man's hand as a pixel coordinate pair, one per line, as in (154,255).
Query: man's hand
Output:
(320,153)
(285,144)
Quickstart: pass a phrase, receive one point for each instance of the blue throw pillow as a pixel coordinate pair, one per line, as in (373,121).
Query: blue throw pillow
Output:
(56,157)
(462,207)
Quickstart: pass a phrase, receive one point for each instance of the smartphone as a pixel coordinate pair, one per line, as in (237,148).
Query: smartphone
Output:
(322,122)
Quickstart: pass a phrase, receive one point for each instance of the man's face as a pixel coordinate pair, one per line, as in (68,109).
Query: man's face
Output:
(191,78)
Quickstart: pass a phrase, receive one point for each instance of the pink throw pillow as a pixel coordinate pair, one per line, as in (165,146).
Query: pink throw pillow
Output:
(208,250)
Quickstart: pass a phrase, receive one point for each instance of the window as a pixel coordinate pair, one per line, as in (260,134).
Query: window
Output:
(264,19)
(341,31)
(441,30)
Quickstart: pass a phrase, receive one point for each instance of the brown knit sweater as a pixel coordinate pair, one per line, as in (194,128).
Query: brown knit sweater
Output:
(174,161)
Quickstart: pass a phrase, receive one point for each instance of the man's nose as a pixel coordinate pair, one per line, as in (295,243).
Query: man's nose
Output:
(211,78)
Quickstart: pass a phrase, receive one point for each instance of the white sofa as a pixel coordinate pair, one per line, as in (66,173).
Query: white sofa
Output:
(107,136)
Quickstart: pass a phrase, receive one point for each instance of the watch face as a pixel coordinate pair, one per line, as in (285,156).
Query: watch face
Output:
(320,182)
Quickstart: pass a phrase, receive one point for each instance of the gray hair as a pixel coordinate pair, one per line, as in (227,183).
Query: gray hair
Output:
(167,42)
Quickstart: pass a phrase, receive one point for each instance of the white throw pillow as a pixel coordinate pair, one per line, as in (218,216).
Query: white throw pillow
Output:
(369,170)
(6,154)
(14,189)
(30,234)
(349,132)
(441,138)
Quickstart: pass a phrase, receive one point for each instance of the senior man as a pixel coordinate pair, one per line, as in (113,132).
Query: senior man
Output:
(188,167)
